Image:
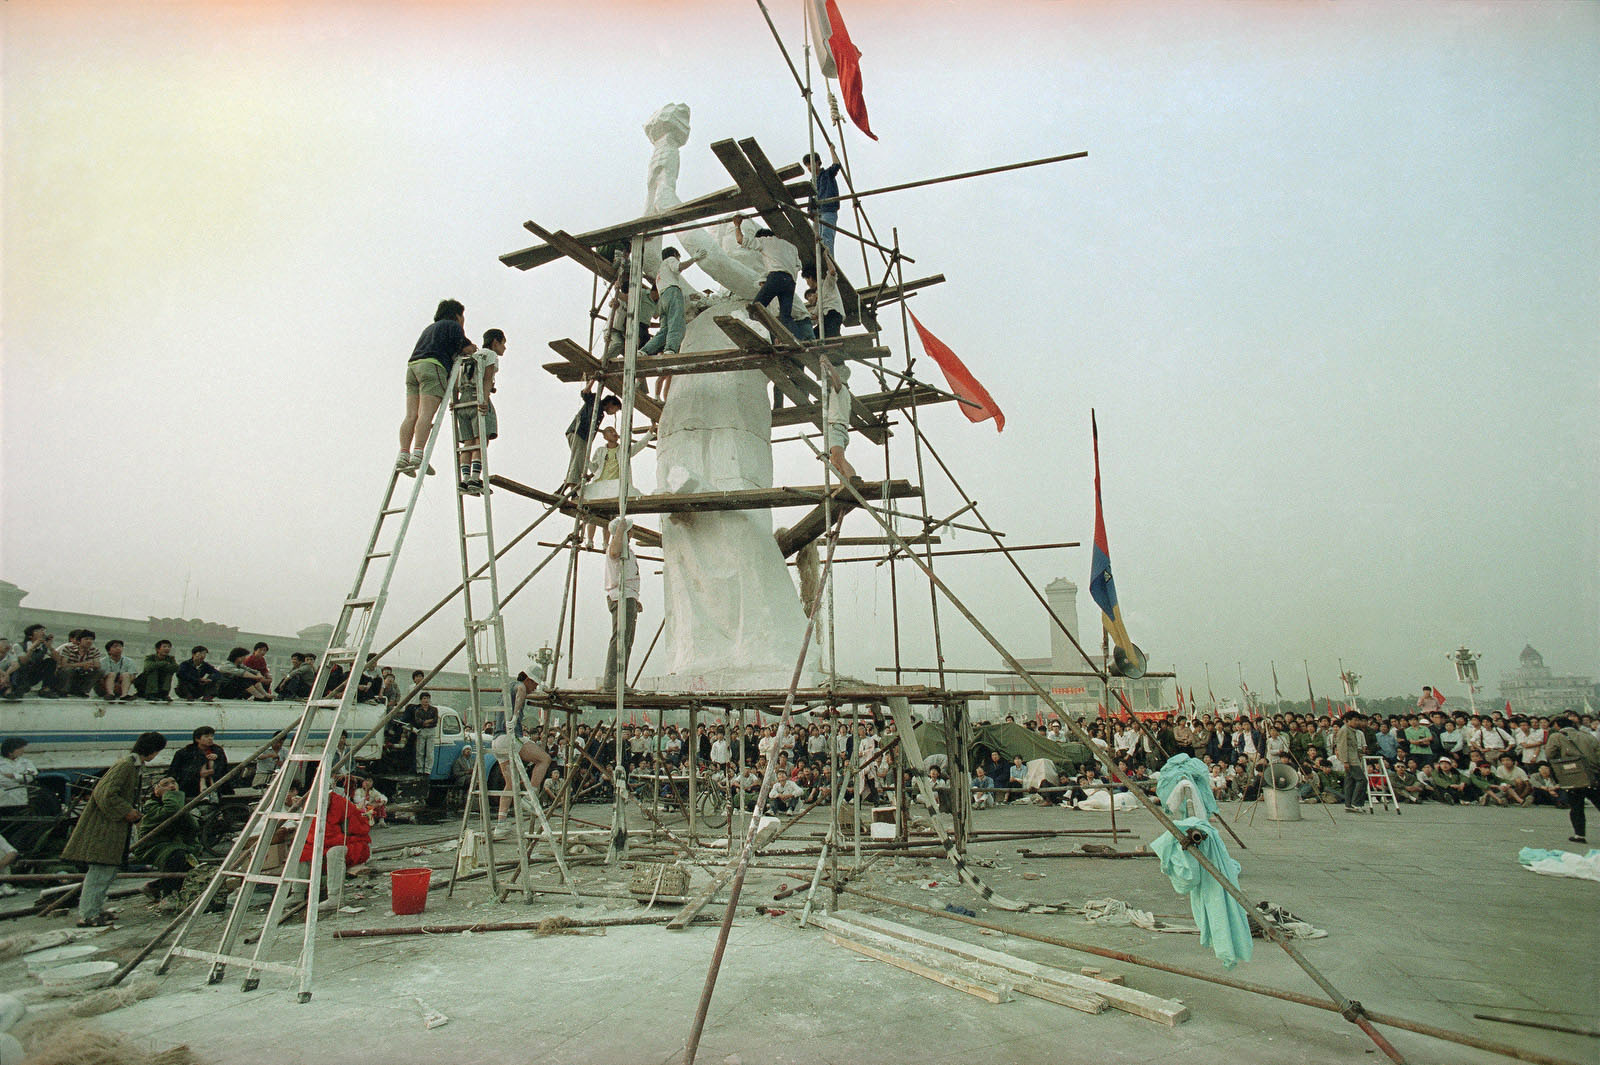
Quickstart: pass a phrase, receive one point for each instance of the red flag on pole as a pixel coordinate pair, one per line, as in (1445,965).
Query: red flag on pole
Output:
(960,380)
(1039,714)
(1102,708)
(1180,699)
(839,58)
(1508,707)
(1127,707)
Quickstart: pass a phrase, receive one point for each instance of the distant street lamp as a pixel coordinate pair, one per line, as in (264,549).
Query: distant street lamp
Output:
(1466,663)
(1352,685)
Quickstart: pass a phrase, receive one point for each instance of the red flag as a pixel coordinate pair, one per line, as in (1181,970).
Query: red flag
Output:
(1508,707)
(1180,699)
(839,57)
(1127,707)
(1102,708)
(960,380)
(1039,715)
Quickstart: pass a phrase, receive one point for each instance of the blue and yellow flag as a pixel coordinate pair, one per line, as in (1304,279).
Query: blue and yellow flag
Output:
(1102,589)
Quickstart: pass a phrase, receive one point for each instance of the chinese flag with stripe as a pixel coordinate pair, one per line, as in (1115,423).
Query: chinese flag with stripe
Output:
(839,58)
(960,380)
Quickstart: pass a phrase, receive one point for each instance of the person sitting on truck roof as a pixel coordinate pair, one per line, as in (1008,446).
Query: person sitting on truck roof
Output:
(197,678)
(117,681)
(239,681)
(155,680)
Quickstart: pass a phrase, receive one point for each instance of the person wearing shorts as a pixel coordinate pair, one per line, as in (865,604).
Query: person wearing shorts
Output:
(428,378)
(472,400)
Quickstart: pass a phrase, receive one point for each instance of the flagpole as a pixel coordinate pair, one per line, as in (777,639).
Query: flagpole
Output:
(1277,695)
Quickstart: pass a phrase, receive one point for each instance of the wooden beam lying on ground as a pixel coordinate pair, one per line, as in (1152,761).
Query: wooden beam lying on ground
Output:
(723,201)
(1138,1003)
(986,981)
(579,509)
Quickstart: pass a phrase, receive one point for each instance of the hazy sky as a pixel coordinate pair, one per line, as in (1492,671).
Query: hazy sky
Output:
(1328,276)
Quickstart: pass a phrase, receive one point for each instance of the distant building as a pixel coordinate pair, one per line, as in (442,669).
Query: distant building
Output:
(1535,689)
(1079,696)
(140,636)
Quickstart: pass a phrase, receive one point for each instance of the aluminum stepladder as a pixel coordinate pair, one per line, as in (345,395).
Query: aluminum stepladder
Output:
(487,658)
(1380,786)
(315,741)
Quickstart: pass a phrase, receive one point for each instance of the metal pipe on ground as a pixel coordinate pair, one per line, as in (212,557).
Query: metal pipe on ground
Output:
(1385,1019)
(548,924)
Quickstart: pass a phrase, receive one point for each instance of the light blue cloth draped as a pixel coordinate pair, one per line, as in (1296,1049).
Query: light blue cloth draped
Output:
(1224,926)
(1182,767)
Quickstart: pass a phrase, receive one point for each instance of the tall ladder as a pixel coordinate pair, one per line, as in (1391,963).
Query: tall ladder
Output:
(487,669)
(315,741)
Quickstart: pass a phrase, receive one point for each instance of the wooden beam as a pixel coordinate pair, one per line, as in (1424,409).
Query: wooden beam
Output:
(772,182)
(726,360)
(1138,1003)
(574,509)
(792,385)
(743,499)
(888,292)
(877,403)
(815,522)
(589,366)
(860,417)
(956,981)
(569,246)
(758,196)
(723,201)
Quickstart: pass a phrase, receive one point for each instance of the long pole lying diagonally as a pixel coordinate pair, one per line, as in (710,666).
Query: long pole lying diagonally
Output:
(692,1046)
(1348,1009)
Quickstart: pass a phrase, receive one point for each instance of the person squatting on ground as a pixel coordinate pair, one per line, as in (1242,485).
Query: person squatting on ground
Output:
(100,838)
(581,432)
(472,401)
(428,378)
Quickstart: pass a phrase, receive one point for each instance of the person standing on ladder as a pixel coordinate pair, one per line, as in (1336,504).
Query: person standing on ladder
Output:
(622,584)
(427,378)
(470,393)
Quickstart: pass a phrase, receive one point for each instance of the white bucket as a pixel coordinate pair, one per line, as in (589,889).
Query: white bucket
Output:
(41,960)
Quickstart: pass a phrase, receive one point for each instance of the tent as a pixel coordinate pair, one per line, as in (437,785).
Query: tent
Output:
(1010,740)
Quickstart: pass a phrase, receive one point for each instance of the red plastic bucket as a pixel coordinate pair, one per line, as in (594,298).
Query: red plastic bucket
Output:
(409,889)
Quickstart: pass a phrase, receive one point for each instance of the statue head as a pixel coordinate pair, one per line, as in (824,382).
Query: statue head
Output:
(670,124)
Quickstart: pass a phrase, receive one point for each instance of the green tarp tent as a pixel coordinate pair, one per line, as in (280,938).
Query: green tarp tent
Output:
(1010,740)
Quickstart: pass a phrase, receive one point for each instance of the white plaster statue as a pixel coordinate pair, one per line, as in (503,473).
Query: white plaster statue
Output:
(733,619)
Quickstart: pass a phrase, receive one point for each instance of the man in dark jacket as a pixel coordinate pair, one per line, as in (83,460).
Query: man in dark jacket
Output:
(199,763)
(100,838)
(1567,740)
(585,424)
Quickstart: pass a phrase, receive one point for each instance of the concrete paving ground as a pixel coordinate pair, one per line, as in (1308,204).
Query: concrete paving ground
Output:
(1429,917)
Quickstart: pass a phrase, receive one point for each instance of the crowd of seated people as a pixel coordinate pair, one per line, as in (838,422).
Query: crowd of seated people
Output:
(36,665)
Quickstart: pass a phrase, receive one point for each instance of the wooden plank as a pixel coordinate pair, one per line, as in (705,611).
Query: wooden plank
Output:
(794,387)
(723,201)
(569,246)
(888,292)
(772,182)
(747,499)
(646,536)
(744,175)
(878,403)
(590,366)
(993,993)
(1138,1003)
(861,418)
(942,961)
